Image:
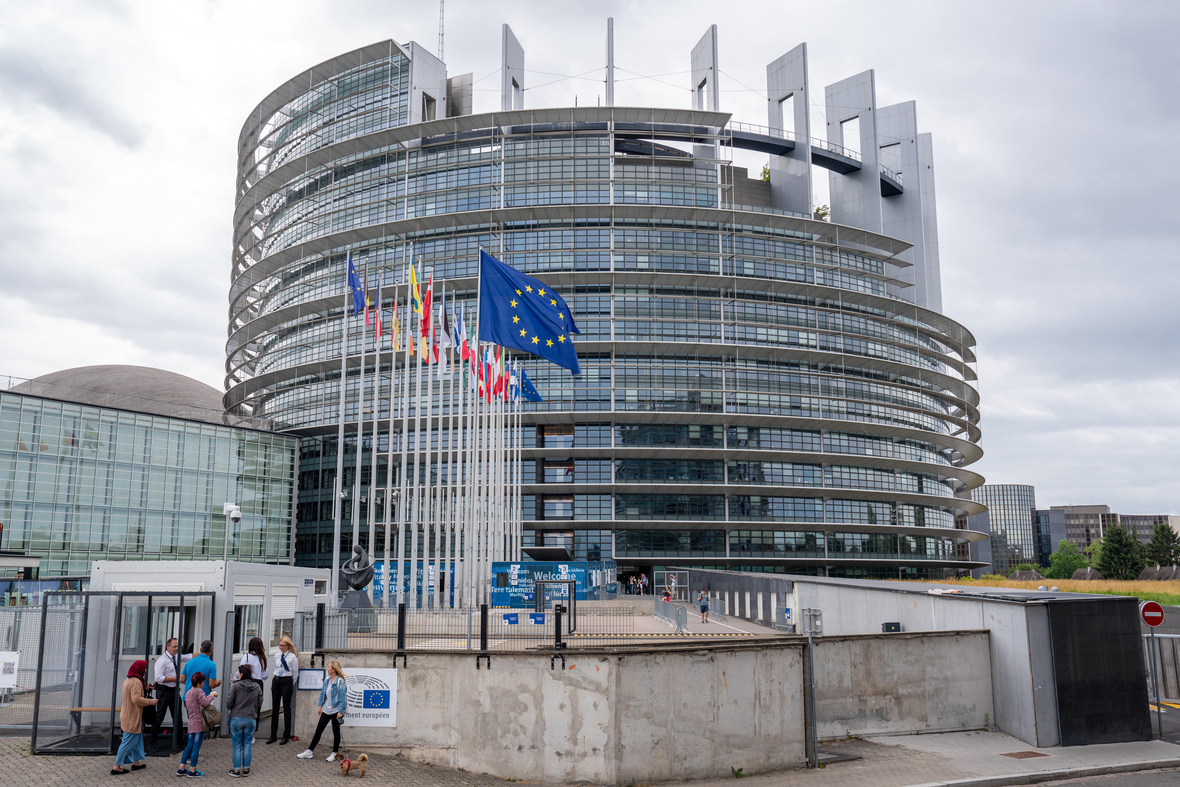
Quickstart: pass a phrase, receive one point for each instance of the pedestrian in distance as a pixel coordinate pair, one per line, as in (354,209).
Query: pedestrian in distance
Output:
(195,699)
(135,699)
(245,695)
(255,658)
(167,670)
(282,688)
(331,710)
(703,600)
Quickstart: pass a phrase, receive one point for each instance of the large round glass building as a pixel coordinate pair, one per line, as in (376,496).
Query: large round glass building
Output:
(762,388)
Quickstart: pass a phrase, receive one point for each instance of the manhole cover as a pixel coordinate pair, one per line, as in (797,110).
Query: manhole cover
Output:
(1024,755)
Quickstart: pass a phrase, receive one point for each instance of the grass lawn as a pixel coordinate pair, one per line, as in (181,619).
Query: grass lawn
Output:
(1163,592)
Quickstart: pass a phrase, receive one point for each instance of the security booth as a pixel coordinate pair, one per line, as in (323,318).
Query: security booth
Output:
(118,626)
(89,640)
(514,585)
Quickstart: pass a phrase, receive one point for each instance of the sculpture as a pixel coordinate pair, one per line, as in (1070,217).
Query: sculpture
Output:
(358,572)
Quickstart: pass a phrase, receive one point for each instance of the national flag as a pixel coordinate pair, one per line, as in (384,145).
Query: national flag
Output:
(415,295)
(426,312)
(518,311)
(375,699)
(444,323)
(444,339)
(528,389)
(465,348)
(377,316)
(356,289)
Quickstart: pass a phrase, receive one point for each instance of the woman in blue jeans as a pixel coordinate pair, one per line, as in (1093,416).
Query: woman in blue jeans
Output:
(245,695)
(194,699)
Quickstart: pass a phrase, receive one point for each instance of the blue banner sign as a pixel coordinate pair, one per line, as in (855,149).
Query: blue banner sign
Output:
(537,618)
(511,619)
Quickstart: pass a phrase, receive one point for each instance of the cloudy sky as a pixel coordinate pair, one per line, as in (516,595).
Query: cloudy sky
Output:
(1054,126)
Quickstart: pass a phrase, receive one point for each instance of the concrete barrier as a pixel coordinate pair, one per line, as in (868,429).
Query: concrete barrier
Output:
(607,718)
(669,712)
(903,683)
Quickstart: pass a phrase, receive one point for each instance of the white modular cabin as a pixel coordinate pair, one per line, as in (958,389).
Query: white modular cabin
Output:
(264,599)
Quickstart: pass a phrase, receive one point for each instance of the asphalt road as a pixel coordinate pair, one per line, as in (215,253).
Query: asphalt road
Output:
(1171,723)
(1169,778)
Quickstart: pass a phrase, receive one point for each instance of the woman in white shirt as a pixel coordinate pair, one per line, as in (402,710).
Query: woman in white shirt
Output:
(255,656)
(282,688)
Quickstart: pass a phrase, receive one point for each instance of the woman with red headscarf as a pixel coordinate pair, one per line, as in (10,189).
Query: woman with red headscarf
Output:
(131,720)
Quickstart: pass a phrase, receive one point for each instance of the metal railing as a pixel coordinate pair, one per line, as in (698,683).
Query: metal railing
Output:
(764,131)
(890,173)
(403,629)
(832,147)
(1165,664)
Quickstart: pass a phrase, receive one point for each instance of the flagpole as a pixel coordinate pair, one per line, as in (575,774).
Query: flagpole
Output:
(430,531)
(376,417)
(389,493)
(469,456)
(360,422)
(448,508)
(478,519)
(403,494)
(416,332)
(461,475)
(338,496)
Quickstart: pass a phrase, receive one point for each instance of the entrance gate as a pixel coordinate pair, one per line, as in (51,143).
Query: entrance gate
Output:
(88,643)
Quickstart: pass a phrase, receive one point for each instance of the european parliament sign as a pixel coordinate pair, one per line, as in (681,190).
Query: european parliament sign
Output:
(513,583)
(371,697)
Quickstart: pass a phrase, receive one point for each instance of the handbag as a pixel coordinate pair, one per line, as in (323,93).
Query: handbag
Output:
(212,718)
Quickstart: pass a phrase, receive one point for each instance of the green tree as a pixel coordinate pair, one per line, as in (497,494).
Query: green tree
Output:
(765,176)
(1066,560)
(1121,556)
(1164,547)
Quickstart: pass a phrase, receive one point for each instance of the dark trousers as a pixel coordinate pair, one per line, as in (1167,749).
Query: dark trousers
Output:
(281,690)
(166,703)
(319,730)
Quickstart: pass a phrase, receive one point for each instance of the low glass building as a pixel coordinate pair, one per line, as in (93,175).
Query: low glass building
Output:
(81,482)
(763,387)
(1012,511)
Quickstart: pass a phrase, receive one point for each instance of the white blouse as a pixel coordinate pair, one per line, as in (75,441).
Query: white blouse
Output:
(258,671)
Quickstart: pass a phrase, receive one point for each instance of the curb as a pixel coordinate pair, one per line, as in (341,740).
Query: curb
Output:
(1047,776)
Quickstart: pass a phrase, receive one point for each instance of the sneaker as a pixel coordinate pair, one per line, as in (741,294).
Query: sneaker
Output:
(194,774)
(331,757)
(181,772)
(245,774)
(305,755)
(236,774)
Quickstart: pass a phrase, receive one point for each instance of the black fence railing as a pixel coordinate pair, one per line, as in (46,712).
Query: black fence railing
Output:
(404,629)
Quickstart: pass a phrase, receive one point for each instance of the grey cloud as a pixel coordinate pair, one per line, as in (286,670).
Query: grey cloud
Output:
(33,78)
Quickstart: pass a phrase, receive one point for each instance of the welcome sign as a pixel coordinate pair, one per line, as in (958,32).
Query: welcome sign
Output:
(371,697)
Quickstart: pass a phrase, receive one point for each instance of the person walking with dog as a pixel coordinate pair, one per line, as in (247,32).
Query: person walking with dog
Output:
(135,699)
(195,699)
(282,689)
(241,703)
(331,711)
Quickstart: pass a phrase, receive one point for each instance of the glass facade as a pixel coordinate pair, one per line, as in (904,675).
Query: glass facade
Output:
(740,368)
(1012,511)
(81,483)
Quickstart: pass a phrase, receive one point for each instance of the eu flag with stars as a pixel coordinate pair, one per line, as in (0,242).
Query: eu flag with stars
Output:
(517,311)
(355,288)
(375,698)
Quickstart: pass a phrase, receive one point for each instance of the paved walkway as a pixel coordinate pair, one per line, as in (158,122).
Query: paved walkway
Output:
(902,761)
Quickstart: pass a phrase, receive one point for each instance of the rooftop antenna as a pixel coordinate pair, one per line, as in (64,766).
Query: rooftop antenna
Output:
(441,5)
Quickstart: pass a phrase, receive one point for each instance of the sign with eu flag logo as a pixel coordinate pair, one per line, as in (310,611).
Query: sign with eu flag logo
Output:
(371,697)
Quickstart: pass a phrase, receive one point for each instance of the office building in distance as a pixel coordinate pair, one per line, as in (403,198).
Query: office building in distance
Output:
(762,388)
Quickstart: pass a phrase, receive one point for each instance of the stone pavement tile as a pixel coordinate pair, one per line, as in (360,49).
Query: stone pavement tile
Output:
(271,766)
(981,753)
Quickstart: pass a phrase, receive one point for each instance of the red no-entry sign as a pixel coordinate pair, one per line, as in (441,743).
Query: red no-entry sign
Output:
(1152,613)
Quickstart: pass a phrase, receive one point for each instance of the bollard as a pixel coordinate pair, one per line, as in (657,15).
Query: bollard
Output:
(557,643)
(483,637)
(401,626)
(319,626)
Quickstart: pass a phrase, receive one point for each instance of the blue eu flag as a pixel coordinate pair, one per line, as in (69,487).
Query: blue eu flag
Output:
(517,311)
(375,698)
(527,389)
(354,286)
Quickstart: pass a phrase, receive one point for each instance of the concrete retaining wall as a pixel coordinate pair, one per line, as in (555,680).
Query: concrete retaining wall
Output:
(606,718)
(672,712)
(903,683)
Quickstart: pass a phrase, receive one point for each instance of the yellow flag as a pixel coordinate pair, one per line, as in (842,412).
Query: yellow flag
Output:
(415,294)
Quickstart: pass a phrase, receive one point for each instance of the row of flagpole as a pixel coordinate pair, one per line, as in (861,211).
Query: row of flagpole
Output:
(468,511)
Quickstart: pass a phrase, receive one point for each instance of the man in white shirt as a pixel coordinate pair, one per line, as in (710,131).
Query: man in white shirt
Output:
(167,667)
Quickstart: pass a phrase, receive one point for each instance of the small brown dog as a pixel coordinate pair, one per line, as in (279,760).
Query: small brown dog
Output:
(358,765)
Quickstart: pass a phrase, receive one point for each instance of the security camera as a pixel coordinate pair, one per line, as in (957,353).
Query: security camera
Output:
(233,512)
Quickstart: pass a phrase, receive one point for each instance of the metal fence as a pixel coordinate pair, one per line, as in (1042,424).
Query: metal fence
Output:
(674,615)
(20,633)
(1164,664)
(405,629)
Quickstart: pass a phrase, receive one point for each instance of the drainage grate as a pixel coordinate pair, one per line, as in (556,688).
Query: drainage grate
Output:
(1024,755)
